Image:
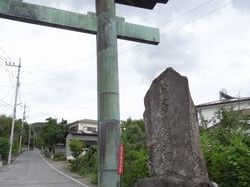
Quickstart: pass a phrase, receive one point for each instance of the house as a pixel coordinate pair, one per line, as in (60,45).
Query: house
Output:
(85,130)
(207,111)
(84,125)
(87,138)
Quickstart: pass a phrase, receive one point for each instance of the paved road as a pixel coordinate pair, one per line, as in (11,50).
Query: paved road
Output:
(30,170)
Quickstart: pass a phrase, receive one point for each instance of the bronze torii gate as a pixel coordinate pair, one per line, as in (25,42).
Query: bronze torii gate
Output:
(108,28)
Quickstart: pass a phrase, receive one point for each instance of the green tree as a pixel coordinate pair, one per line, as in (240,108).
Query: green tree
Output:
(5,128)
(4,147)
(136,157)
(226,150)
(76,147)
(5,125)
(53,133)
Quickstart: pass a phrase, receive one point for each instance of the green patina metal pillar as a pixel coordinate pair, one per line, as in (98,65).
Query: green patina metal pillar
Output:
(108,94)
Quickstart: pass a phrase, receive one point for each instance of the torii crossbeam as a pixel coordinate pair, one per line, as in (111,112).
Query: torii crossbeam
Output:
(108,28)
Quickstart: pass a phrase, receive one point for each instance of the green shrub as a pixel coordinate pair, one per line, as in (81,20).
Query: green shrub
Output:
(77,164)
(76,147)
(4,147)
(227,151)
(60,158)
(136,158)
(86,165)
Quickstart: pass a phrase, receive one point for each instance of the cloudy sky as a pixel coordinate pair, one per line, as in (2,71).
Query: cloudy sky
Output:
(206,40)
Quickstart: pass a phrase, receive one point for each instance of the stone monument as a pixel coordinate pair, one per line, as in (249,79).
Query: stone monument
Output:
(173,135)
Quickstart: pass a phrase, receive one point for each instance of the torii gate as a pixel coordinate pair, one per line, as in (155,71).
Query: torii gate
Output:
(108,28)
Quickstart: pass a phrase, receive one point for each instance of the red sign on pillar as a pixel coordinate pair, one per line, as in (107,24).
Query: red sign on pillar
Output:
(121,160)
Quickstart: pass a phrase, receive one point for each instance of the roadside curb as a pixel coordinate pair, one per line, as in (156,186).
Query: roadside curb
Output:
(54,168)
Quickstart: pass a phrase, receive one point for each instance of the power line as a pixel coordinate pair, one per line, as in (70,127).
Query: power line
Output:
(6,68)
(2,101)
(164,33)
(65,64)
(7,106)
(93,55)
(6,55)
(179,27)
(4,95)
(199,17)
(187,12)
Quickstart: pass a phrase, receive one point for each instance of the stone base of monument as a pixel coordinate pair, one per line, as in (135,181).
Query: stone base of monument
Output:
(171,181)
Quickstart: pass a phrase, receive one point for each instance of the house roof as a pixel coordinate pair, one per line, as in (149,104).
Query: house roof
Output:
(223,102)
(87,121)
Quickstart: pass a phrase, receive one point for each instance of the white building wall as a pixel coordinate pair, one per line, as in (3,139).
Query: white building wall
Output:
(209,112)
(84,126)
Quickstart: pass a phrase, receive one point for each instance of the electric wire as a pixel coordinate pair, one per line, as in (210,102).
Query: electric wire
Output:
(186,13)
(199,17)
(93,54)
(164,34)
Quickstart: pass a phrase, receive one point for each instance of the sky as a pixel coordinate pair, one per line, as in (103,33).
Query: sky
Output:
(208,41)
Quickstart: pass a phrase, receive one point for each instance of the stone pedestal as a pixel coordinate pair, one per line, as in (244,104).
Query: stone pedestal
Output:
(173,135)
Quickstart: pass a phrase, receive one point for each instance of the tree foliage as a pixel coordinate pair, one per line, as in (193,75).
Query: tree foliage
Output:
(4,147)
(53,133)
(87,164)
(136,158)
(226,149)
(5,126)
(76,146)
(134,138)
(5,129)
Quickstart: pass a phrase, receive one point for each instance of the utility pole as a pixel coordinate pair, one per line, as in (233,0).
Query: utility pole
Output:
(21,137)
(14,110)
(29,137)
(34,138)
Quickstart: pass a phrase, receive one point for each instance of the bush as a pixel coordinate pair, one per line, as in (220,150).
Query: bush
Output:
(227,151)
(4,147)
(76,147)
(136,158)
(60,158)
(86,165)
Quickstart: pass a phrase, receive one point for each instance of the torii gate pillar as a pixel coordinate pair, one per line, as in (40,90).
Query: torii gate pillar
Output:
(108,28)
(108,94)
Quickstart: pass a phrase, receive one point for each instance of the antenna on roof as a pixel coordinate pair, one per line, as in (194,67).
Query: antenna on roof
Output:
(224,96)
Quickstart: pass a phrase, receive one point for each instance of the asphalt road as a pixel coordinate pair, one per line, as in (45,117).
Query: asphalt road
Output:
(29,170)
